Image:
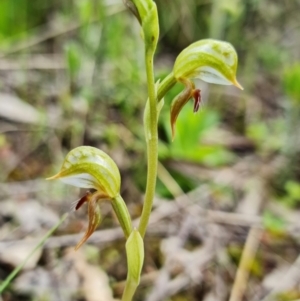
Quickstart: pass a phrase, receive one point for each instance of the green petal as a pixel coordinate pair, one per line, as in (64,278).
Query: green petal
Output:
(210,60)
(89,167)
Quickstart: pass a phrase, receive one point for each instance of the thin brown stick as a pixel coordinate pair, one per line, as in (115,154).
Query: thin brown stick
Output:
(255,198)
(242,275)
(37,62)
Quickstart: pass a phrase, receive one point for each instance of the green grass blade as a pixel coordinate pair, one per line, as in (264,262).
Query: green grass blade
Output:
(13,274)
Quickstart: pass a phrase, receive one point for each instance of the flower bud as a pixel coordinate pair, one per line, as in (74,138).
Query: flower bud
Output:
(89,167)
(210,60)
(146,12)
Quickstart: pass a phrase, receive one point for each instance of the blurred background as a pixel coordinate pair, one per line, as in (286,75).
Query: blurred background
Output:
(226,220)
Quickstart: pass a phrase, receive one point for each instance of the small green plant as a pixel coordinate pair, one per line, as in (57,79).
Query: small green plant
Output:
(191,131)
(291,148)
(210,60)
(291,197)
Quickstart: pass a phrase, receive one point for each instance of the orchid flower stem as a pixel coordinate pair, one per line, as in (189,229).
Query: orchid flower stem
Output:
(123,215)
(152,146)
(130,288)
(167,83)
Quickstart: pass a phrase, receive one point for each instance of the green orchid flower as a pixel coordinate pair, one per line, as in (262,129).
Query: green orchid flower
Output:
(210,60)
(89,167)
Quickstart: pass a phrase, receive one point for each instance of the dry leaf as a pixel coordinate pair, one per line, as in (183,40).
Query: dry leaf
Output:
(15,253)
(15,109)
(95,282)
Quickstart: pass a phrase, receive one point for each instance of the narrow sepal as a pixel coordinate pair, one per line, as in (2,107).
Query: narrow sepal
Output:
(179,101)
(94,215)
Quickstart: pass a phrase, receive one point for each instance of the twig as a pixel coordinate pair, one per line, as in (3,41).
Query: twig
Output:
(166,178)
(242,275)
(100,237)
(44,62)
(42,37)
(193,263)
(255,198)
(164,209)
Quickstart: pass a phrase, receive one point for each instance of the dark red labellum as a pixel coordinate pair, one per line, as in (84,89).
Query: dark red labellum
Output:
(82,200)
(197,99)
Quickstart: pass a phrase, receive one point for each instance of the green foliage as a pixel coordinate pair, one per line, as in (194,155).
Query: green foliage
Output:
(267,135)
(120,68)
(291,80)
(289,295)
(191,129)
(14,20)
(292,194)
(186,184)
(273,223)
(270,56)
(88,10)
(73,54)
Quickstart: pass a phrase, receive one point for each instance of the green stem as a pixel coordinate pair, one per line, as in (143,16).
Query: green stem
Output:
(14,273)
(130,288)
(168,82)
(122,214)
(152,146)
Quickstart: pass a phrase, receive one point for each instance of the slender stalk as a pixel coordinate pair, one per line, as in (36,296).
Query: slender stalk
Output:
(168,82)
(123,215)
(130,288)
(14,273)
(152,146)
